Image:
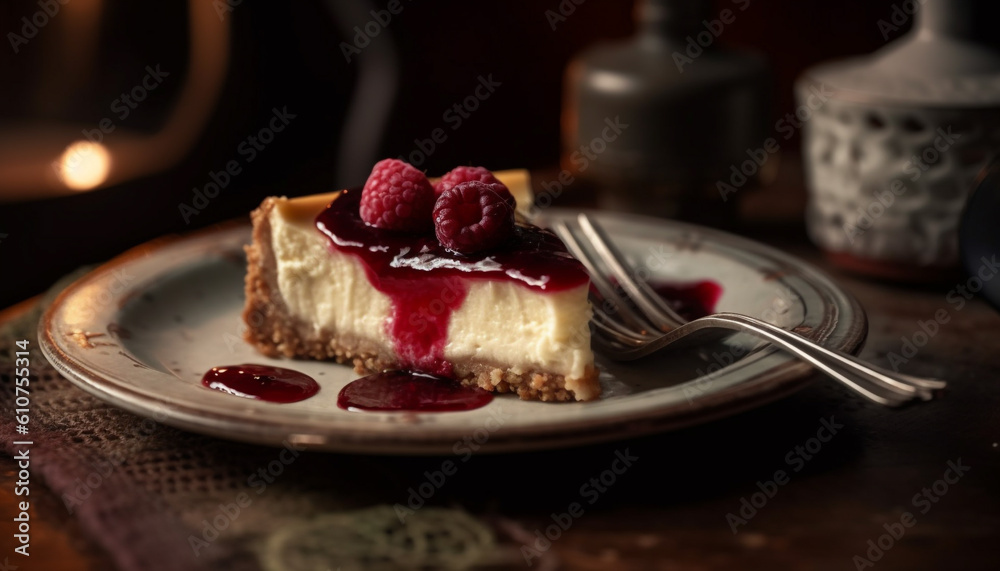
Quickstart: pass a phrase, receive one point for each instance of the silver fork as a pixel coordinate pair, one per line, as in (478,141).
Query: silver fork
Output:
(648,324)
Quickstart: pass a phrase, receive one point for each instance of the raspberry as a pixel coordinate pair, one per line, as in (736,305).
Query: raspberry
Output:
(474,216)
(459,175)
(397,196)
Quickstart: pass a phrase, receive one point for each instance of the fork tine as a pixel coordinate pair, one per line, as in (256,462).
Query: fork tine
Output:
(631,319)
(653,306)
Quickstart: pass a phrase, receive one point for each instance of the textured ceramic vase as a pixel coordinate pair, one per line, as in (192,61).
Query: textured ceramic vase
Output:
(892,154)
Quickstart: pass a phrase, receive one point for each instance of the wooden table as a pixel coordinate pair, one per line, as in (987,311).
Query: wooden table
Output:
(881,473)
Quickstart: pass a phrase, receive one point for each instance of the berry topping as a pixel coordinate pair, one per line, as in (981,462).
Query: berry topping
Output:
(397,196)
(458,175)
(474,216)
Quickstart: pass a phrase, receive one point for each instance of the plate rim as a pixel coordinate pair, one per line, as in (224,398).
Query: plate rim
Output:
(775,383)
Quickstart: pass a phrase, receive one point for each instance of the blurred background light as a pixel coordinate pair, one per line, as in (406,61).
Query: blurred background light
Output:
(84,165)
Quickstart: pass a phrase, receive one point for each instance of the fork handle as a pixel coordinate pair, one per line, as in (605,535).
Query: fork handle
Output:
(877,384)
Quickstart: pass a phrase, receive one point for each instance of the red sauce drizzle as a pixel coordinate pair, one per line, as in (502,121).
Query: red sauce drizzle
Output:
(407,391)
(427,282)
(261,382)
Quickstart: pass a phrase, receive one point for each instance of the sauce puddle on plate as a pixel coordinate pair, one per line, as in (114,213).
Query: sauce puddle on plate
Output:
(261,382)
(408,391)
(690,300)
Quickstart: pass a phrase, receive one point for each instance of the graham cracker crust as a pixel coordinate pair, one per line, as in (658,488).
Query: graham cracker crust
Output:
(275,333)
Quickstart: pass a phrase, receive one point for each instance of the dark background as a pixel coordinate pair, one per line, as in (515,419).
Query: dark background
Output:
(290,55)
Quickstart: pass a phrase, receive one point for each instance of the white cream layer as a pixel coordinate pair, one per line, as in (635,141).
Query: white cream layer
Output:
(499,322)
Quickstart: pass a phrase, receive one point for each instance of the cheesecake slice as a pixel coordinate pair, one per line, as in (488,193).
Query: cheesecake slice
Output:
(322,284)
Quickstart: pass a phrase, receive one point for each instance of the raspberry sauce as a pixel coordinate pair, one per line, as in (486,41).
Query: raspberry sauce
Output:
(406,391)
(261,382)
(427,282)
(690,300)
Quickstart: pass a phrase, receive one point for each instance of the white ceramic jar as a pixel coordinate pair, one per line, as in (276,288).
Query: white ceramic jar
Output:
(892,155)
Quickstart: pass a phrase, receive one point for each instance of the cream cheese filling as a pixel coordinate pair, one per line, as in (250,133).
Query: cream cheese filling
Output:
(499,322)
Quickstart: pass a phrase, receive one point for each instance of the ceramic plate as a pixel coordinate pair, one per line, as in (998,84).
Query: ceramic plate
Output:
(140,331)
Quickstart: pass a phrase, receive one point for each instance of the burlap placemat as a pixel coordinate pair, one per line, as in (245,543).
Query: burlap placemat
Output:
(158,498)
